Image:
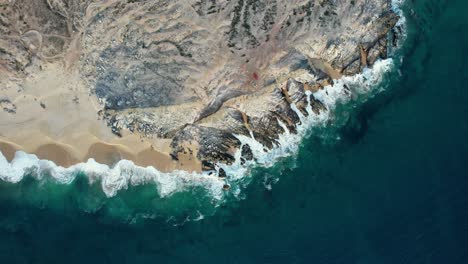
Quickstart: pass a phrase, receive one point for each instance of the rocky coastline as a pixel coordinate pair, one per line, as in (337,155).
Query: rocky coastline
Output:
(176,78)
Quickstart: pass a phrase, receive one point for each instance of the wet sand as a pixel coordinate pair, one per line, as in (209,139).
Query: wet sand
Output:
(62,155)
(8,150)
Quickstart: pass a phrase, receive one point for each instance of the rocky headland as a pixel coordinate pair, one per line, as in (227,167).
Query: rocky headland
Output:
(170,83)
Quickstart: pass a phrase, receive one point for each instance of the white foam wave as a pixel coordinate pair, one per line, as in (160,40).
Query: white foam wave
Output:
(396,6)
(112,179)
(288,143)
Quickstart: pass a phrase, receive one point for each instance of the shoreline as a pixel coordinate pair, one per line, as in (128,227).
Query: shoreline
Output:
(96,141)
(56,119)
(171,176)
(64,155)
(55,114)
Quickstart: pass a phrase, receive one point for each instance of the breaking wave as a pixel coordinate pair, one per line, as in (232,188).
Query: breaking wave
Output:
(113,179)
(396,6)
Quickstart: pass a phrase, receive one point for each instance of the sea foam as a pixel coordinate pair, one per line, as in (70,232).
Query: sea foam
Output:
(396,6)
(343,90)
(112,179)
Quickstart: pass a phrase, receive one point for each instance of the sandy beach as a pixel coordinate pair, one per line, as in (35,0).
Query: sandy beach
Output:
(56,119)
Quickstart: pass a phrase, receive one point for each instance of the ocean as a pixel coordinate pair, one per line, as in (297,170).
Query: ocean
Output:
(384,181)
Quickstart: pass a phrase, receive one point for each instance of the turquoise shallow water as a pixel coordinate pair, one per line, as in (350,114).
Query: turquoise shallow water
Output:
(387,186)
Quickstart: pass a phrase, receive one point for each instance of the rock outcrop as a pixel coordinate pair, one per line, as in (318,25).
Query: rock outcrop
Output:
(198,71)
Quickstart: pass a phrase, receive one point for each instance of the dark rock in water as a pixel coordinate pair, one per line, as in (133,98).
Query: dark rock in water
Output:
(207,166)
(247,152)
(222,173)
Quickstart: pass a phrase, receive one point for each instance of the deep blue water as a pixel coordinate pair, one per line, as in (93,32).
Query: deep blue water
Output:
(392,190)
